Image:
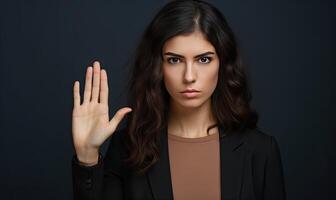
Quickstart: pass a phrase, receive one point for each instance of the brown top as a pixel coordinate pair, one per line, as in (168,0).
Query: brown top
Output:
(195,167)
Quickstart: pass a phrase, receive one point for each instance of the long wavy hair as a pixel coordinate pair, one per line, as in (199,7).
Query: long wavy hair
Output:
(148,97)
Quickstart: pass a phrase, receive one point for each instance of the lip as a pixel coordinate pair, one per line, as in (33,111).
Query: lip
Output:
(190,90)
(190,93)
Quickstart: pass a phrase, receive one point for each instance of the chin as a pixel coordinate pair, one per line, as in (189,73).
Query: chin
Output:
(191,103)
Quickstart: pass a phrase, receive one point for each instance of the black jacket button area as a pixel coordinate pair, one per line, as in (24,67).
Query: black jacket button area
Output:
(88,183)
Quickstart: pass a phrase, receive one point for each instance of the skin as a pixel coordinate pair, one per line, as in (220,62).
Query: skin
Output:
(190,117)
(91,124)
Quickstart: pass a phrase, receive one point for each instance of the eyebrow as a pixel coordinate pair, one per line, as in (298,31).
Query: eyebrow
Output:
(197,56)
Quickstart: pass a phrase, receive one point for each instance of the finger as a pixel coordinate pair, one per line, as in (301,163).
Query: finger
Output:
(96,81)
(76,94)
(118,117)
(88,83)
(103,96)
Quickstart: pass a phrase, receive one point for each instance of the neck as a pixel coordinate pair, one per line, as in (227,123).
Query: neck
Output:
(191,122)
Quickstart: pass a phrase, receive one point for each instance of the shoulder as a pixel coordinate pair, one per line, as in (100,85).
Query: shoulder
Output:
(259,141)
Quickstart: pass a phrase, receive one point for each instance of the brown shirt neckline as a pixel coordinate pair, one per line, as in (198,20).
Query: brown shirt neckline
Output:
(194,140)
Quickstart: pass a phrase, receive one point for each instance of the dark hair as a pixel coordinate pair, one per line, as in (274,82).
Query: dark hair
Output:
(148,96)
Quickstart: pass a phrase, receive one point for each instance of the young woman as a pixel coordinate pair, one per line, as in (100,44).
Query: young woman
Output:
(190,131)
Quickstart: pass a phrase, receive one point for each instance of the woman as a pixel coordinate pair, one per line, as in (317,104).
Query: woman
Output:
(191,133)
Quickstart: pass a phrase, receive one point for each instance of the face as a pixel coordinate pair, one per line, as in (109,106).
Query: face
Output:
(190,62)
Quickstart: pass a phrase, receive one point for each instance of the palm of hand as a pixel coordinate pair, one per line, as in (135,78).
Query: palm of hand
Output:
(91,125)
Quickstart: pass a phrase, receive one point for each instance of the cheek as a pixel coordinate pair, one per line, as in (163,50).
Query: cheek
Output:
(215,78)
(169,79)
(210,79)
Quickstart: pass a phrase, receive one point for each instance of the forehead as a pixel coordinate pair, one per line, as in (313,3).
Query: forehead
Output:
(192,44)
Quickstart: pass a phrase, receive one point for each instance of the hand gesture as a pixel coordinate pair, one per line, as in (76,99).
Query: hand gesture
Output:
(91,124)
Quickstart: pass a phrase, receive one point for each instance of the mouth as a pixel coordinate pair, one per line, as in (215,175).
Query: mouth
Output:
(190,90)
(190,93)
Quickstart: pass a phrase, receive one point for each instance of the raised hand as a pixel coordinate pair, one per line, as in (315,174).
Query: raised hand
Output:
(91,125)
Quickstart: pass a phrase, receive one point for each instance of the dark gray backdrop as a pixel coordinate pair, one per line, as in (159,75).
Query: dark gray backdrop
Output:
(46,45)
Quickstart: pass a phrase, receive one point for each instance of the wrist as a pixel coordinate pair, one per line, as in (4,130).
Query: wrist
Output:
(89,164)
(87,157)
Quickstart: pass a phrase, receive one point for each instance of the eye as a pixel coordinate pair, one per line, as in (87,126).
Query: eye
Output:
(173,60)
(205,60)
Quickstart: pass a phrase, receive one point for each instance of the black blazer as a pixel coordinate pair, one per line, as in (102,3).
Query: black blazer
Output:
(250,163)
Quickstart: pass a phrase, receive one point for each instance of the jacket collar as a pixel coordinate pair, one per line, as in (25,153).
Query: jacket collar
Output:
(231,167)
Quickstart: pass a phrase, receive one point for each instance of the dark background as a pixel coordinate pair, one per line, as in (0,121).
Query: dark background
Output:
(288,47)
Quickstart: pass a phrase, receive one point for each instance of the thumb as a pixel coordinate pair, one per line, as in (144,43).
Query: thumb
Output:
(120,114)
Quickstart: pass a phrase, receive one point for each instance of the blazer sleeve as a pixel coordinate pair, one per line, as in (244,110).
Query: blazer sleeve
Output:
(274,188)
(102,181)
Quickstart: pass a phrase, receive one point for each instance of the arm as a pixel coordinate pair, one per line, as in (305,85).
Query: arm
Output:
(91,126)
(274,188)
(100,181)
(87,180)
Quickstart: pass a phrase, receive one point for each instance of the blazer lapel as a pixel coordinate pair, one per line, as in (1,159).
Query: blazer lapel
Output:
(231,167)
(231,164)
(159,175)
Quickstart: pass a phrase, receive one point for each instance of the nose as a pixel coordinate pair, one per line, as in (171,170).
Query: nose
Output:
(189,74)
